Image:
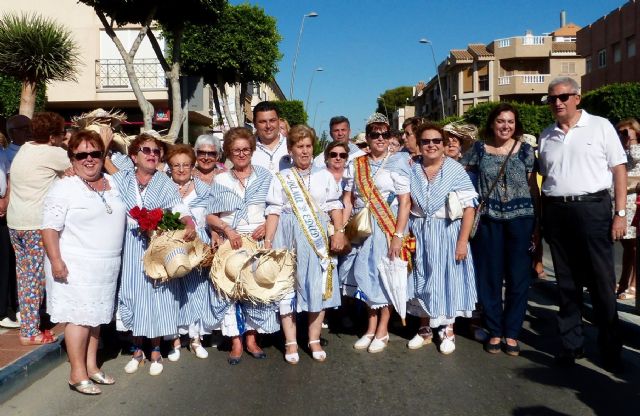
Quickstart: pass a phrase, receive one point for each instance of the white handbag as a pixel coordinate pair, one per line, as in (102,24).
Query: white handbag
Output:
(453,206)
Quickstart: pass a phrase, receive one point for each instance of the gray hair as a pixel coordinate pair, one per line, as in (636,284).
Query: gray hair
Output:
(575,87)
(207,139)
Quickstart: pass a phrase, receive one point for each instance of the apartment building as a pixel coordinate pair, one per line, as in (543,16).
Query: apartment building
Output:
(517,68)
(609,47)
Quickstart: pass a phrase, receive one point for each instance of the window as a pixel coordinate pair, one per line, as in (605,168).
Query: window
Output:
(631,46)
(587,62)
(483,77)
(467,80)
(617,55)
(602,58)
(568,67)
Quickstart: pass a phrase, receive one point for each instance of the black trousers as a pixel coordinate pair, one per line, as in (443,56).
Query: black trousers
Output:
(579,236)
(8,290)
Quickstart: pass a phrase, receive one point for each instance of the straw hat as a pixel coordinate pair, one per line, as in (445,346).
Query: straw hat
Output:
(169,256)
(97,118)
(227,264)
(377,118)
(156,135)
(530,139)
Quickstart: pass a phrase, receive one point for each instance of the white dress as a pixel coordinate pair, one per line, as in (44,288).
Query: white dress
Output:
(91,246)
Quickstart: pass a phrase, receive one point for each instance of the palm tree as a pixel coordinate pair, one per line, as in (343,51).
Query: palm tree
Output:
(35,50)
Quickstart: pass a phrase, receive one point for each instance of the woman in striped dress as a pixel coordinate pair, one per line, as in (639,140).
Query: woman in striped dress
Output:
(238,208)
(195,313)
(300,204)
(443,277)
(147,308)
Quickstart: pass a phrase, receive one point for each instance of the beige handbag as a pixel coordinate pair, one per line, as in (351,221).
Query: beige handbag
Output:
(453,206)
(359,226)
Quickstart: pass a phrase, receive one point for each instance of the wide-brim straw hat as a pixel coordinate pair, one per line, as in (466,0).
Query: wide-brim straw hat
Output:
(268,276)
(169,256)
(159,136)
(224,273)
(461,130)
(97,118)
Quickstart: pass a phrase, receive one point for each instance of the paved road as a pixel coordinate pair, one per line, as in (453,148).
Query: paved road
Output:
(397,381)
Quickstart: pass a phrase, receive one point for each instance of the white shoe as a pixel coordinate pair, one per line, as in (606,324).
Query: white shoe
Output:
(199,350)
(133,365)
(447,342)
(378,344)
(174,354)
(422,338)
(364,342)
(317,355)
(292,358)
(9,323)
(156,367)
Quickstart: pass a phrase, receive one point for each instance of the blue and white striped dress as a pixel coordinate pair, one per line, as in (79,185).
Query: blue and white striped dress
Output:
(147,308)
(359,269)
(196,317)
(326,193)
(243,210)
(441,287)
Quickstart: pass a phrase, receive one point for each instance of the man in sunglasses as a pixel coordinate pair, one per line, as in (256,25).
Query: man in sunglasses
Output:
(271,146)
(580,156)
(340,131)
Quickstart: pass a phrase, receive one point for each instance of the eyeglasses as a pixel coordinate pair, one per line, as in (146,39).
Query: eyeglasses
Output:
(551,99)
(426,142)
(376,134)
(177,166)
(624,133)
(147,151)
(341,155)
(205,154)
(362,145)
(237,152)
(96,154)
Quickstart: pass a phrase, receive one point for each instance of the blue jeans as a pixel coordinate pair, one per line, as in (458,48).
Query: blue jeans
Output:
(501,254)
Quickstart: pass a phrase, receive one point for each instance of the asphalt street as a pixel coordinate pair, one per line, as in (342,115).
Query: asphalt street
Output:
(397,381)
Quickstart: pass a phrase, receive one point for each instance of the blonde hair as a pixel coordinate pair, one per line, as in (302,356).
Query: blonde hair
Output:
(629,122)
(299,132)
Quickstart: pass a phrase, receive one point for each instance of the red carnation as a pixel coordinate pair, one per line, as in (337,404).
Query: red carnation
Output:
(135,212)
(156,214)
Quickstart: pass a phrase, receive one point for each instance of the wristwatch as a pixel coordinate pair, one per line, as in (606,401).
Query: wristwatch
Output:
(399,235)
(621,213)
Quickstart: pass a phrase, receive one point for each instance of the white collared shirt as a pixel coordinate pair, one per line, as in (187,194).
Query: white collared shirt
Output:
(273,160)
(580,161)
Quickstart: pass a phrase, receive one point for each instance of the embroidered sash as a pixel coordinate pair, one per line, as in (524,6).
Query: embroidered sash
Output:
(302,207)
(379,207)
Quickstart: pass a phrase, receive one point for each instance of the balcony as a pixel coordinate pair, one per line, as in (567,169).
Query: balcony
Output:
(523,84)
(522,47)
(111,75)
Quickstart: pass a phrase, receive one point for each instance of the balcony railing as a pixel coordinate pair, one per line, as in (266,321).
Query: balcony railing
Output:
(111,74)
(525,79)
(527,40)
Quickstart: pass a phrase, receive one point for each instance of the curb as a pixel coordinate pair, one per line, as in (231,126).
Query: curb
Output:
(26,370)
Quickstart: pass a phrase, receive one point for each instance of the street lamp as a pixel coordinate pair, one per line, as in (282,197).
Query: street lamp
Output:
(315,113)
(319,69)
(384,104)
(433,55)
(295,58)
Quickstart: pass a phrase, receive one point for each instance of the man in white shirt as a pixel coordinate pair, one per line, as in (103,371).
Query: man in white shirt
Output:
(340,131)
(580,155)
(271,147)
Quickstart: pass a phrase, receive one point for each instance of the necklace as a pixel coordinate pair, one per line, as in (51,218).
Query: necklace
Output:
(305,173)
(264,148)
(100,194)
(243,185)
(184,186)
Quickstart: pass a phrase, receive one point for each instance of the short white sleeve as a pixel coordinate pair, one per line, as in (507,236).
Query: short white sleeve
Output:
(56,206)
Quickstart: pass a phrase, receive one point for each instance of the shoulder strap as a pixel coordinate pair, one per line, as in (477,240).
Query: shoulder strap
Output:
(502,168)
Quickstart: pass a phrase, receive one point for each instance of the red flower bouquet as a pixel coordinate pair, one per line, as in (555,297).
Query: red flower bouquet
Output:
(148,220)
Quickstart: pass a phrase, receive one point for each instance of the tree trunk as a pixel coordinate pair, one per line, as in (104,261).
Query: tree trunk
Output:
(225,102)
(173,76)
(241,92)
(216,104)
(28,98)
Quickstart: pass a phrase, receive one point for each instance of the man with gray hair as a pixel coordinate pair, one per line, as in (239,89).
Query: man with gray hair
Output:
(580,156)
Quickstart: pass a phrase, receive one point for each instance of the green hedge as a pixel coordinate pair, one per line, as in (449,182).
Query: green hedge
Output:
(292,111)
(535,118)
(614,102)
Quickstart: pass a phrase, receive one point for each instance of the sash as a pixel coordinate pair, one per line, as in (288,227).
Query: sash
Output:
(310,224)
(379,207)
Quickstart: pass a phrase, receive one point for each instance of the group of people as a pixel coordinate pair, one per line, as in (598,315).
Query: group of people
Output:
(462,218)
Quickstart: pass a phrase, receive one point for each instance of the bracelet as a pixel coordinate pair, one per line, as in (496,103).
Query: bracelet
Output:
(399,235)
(266,240)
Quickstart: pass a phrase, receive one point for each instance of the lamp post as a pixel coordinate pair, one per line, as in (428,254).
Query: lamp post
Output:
(433,55)
(315,113)
(319,69)
(295,58)
(384,104)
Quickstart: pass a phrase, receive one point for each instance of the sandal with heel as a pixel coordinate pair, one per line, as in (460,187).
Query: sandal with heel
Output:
(85,387)
(101,378)
(317,355)
(294,357)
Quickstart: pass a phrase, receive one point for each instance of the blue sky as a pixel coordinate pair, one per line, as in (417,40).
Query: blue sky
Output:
(369,46)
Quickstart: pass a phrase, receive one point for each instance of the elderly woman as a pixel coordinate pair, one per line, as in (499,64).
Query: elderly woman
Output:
(506,232)
(238,209)
(335,157)
(380,181)
(207,148)
(147,308)
(300,204)
(629,130)
(82,270)
(35,167)
(443,276)
(195,315)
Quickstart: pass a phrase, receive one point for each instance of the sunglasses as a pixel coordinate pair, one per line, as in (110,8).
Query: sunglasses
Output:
(624,133)
(362,145)
(426,142)
(203,153)
(96,154)
(376,134)
(341,155)
(147,151)
(551,99)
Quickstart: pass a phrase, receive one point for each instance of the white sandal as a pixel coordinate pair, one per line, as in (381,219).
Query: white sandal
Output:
(422,338)
(364,342)
(447,342)
(317,355)
(378,344)
(294,357)
(198,349)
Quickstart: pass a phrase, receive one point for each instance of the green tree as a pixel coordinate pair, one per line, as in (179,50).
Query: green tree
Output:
(614,101)
(292,111)
(321,143)
(242,48)
(390,100)
(10,89)
(534,118)
(173,16)
(35,50)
